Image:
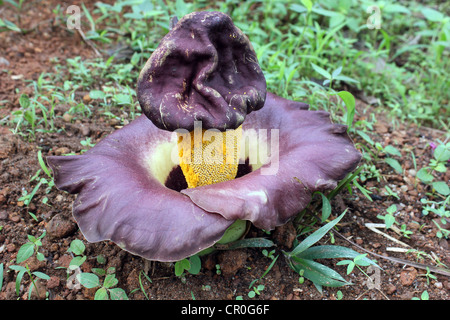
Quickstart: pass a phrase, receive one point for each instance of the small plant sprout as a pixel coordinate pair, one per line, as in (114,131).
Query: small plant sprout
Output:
(358,262)
(105,289)
(191,265)
(32,274)
(389,218)
(301,258)
(428,275)
(256,291)
(29,248)
(268,254)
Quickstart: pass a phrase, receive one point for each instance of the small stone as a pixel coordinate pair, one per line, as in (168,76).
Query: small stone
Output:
(14,217)
(285,235)
(85,130)
(61,151)
(3,215)
(408,276)
(11,247)
(60,226)
(231,261)
(53,282)
(64,261)
(33,263)
(391,288)
(87,98)
(67,117)
(4,62)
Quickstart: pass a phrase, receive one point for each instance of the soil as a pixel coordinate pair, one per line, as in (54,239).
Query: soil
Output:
(30,54)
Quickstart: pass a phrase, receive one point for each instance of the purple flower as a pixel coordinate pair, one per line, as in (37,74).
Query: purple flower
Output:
(133,190)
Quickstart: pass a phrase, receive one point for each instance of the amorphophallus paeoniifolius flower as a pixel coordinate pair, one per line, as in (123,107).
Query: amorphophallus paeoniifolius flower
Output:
(212,149)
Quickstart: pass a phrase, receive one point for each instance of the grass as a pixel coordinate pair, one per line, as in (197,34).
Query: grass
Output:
(322,52)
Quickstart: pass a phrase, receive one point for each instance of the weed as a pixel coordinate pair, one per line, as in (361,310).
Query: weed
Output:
(29,248)
(191,265)
(301,258)
(33,275)
(423,296)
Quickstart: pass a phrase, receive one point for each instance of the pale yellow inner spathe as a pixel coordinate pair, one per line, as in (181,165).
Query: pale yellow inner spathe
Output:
(209,156)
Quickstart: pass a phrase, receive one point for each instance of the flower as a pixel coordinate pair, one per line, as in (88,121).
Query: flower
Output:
(137,188)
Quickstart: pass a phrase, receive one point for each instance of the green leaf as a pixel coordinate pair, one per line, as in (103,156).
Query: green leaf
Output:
(42,164)
(88,280)
(118,294)
(424,175)
(298,8)
(77,247)
(365,136)
(19,280)
(392,209)
(392,150)
(76,262)
(318,273)
(41,275)
(349,101)
(321,71)
(97,94)
(110,281)
(432,15)
(441,153)
(389,220)
(316,236)
(394,164)
(181,265)
(441,187)
(101,294)
(25,252)
(336,72)
(9,25)
(24,101)
(326,207)
(247,243)
(1,276)
(334,252)
(308,4)
(196,264)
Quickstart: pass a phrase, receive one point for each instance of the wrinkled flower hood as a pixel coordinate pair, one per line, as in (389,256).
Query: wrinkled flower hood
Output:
(123,182)
(205,69)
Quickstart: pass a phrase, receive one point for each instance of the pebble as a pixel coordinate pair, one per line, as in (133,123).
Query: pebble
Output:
(61,151)
(408,276)
(60,226)
(391,288)
(67,117)
(3,215)
(87,98)
(4,62)
(53,282)
(14,217)
(231,261)
(85,131)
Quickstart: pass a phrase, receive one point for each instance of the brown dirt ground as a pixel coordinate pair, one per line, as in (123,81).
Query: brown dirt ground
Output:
(29,55)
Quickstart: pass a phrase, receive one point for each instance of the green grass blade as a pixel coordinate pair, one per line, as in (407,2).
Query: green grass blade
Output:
(319,274)
(316,236)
